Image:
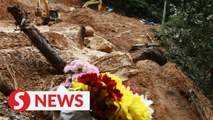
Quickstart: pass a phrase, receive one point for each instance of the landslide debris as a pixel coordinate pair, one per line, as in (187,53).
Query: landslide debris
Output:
(23,64)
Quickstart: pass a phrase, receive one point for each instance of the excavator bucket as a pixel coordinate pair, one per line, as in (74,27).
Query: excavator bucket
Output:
(53,15)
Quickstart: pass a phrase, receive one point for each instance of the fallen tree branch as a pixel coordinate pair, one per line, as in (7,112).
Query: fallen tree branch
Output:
(150,38)
(12,73)
(139,46)
(37,38)
(197,104)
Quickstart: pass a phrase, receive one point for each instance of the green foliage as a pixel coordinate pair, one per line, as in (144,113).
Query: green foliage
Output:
(149,9)
(189,35)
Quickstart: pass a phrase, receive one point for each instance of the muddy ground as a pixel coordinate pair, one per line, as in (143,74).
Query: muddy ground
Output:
(24,67)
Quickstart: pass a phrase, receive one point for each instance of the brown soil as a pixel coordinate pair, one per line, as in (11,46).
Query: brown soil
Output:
(4,15)
(115,28)
(71,2)
(23,66)
(167,85)
(3,9)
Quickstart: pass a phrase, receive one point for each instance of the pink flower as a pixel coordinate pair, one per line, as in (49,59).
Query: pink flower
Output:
(133,89)
(75,66)
(79,68)
(66,84)
(69,79)
(68,68)
(125,84)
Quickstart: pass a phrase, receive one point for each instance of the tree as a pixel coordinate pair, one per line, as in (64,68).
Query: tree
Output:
(189,39)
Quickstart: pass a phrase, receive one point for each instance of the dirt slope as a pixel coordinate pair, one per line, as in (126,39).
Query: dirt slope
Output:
(3,8)
(5,3)
(166,85)
(115,28)
(22,65)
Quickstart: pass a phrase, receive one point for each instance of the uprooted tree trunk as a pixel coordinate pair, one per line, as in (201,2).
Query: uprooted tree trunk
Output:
(164,12)
(5,88)
(37,38)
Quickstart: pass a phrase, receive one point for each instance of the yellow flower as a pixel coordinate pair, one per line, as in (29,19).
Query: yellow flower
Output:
(131,106)
(138,110)
(116,79)
(78,86)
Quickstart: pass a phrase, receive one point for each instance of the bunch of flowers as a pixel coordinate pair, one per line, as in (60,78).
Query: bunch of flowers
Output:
(109,97)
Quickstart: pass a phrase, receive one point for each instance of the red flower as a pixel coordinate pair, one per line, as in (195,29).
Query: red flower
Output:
(89,79)
(113,107)
(103,89)
(111,87)
(118,94)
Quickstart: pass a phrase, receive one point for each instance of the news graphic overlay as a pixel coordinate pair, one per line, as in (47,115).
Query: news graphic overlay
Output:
(20,100)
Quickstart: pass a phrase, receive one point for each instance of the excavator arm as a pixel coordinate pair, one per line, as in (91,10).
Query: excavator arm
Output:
(51,15)
(39,13)
(90,2)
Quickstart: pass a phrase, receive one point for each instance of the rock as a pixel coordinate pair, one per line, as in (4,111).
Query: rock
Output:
(89,31)
(122,73)
(152,53)
(85,31)
(99,43)
(117,63)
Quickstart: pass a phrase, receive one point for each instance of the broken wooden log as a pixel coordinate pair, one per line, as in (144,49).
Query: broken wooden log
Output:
(152,53)
(139,46)
(85,31)
(195,101)
(81,36)
(37,38)
(5,88)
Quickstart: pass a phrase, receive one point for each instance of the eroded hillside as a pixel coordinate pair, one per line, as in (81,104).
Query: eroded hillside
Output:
(23,66)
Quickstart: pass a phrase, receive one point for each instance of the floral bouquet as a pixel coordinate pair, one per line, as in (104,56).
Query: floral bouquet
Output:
(110,99)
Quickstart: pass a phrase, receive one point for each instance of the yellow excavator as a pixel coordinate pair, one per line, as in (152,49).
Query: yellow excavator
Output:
(51,15)
(91,2)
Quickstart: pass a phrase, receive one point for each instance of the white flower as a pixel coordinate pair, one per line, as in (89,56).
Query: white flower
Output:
(147,103)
